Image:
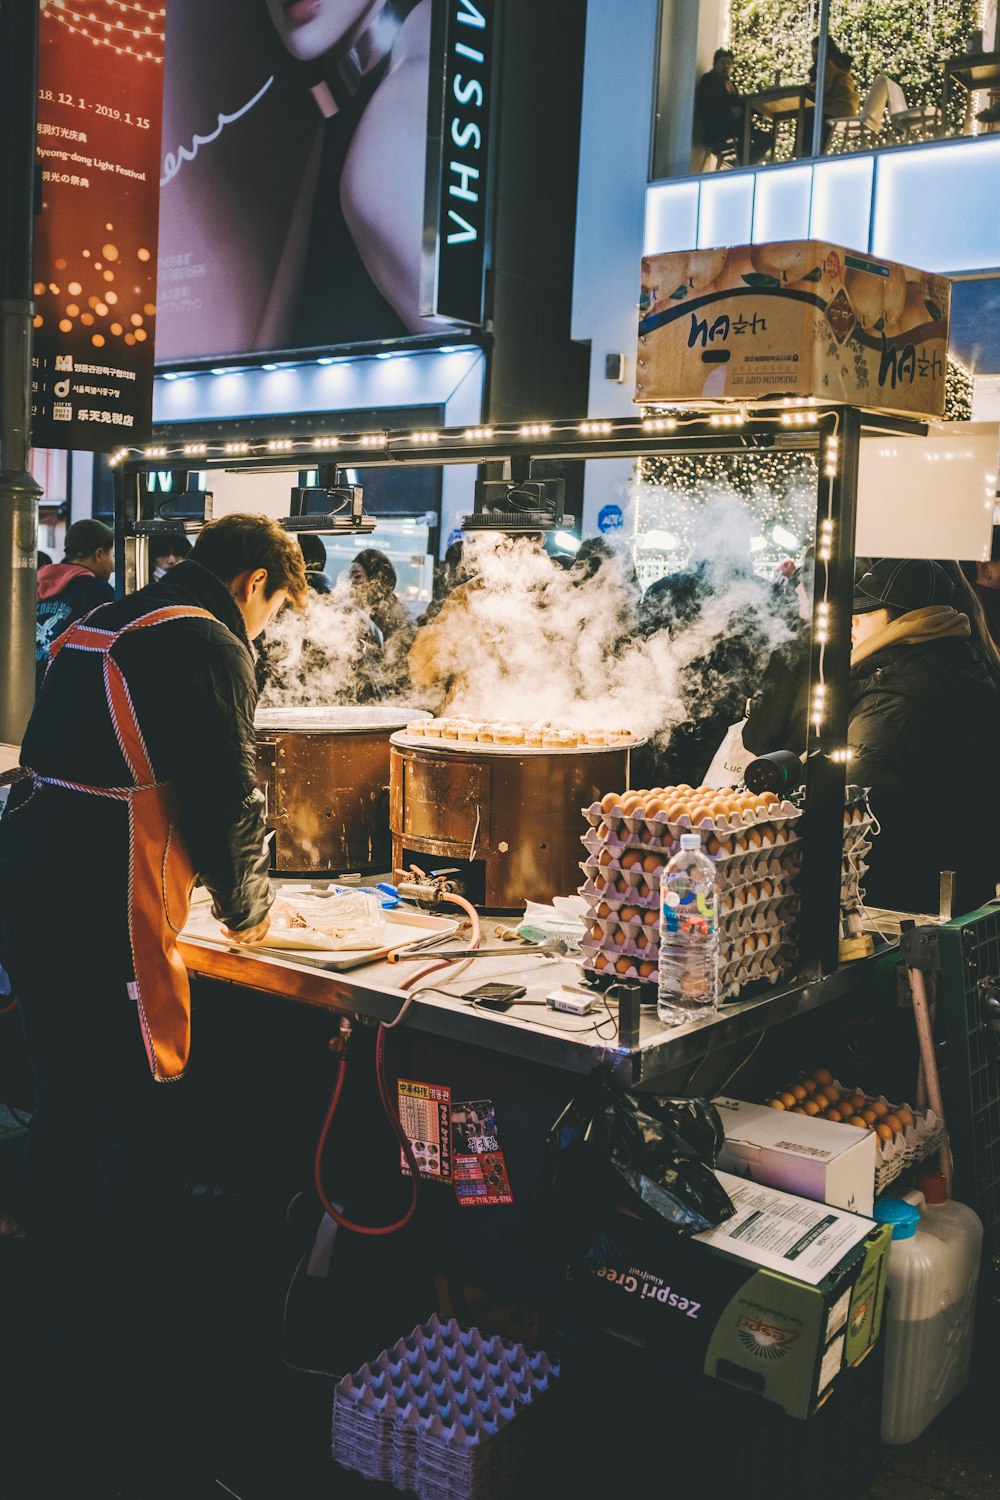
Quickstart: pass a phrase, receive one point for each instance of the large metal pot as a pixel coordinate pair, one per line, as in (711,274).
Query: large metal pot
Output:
(509,820)
(324,773)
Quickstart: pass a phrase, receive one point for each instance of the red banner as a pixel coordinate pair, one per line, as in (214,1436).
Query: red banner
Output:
(100,91)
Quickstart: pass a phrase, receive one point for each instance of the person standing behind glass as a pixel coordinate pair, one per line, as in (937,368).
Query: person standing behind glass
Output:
(720,108)
(840,94)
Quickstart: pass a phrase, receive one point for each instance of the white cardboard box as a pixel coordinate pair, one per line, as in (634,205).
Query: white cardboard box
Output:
(818,1159)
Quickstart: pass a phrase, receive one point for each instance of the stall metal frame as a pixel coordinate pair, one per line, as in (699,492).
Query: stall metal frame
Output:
(833,432)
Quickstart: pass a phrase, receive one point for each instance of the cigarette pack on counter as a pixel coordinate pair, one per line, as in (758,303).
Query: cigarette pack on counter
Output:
(777,1299)
(816,1158)
(801,319)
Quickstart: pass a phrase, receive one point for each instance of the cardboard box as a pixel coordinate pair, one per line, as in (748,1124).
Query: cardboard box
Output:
(777,1300)
(815,1158)
(800,318)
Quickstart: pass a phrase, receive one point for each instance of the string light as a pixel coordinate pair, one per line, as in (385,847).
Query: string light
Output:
(237,448)
(327,442)
(536,429)
(279,445)
(115,33)
(594,429)
(194,450)
(477,434)
(424,437)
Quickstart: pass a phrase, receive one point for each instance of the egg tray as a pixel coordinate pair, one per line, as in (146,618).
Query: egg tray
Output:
(640,938)
(435,1413)
(720,851)
(914,1144)
(643,886)
(767,967)
(780,813)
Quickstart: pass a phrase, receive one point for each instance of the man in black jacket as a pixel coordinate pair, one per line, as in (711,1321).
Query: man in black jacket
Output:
(924,729)
(720,109)
(71,588)
(132,718)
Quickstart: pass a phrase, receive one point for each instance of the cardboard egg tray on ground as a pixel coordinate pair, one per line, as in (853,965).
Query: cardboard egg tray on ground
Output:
(436,1413)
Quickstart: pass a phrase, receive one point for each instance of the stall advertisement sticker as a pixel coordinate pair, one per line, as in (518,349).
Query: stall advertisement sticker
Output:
(100,90)
(479,1165)
(610,518)
(425,1115)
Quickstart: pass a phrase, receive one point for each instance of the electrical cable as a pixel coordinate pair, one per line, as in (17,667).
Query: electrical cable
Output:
(9,1008)
(340,1047)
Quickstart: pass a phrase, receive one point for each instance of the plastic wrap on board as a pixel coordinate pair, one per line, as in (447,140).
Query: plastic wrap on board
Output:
(651,1153)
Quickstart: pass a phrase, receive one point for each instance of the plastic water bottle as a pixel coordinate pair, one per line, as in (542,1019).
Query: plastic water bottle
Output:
(689,936)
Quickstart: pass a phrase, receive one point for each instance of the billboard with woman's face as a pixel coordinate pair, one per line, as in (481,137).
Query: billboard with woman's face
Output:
(294,170)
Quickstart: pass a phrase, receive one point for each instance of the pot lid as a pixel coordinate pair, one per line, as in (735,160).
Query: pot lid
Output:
(330,718)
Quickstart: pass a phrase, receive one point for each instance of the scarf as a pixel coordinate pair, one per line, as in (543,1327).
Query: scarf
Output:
(934,623)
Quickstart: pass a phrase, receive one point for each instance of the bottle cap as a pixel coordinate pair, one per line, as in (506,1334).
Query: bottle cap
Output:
(934,1186)
(904,1217)
(690,840)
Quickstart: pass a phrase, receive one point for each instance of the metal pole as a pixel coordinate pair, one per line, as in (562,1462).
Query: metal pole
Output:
(824,27)
(19,491)
(829,687)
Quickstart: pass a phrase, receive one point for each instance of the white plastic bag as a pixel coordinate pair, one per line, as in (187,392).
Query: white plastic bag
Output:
(730,760)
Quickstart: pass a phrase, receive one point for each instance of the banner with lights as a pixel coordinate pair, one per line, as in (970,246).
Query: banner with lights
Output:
(100,85)
(293,176)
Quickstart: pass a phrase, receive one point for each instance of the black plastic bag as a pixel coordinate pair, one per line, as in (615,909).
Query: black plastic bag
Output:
(652,1153)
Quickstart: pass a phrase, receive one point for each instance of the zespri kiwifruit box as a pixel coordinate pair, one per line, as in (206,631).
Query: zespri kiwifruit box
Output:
(777,1300)
(798,318)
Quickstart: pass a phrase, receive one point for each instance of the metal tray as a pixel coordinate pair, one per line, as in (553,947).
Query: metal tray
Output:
(482,749)
(402,927)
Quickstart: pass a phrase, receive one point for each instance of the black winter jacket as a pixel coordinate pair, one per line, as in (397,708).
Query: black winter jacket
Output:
(925,729)
(192,684)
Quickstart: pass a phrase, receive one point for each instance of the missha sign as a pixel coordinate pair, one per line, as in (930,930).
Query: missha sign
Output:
(456,219)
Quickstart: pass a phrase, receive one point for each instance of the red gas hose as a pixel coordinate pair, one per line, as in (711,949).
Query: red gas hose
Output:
(9,1008)
(388,1103)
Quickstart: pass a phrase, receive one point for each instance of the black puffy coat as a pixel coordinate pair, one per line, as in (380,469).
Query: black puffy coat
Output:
(192,684)
(924,730)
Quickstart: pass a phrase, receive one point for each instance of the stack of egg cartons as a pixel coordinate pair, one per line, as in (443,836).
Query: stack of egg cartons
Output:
(435,1413)
(859,830)
(756,849)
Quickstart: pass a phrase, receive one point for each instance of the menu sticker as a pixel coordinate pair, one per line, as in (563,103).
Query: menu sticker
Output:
(425,1115)
(479,1165)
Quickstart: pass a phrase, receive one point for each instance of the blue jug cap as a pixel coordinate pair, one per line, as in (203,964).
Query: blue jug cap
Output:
(904,1217)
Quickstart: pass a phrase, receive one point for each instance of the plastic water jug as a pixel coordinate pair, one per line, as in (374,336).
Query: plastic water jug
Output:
(933,1275)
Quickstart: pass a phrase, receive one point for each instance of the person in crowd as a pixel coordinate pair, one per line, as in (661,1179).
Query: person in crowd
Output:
(923,709)
(984,578)
(721,107)
(967,600)
(125,796)
(314,554)
(840,94)
(166,550)
(372,580)
(449,574)
(42,560)
(69,589)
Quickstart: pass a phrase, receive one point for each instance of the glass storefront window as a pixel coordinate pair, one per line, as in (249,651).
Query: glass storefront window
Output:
(896,72)
(406,543)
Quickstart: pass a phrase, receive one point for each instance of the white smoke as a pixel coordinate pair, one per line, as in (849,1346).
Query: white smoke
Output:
(324,653)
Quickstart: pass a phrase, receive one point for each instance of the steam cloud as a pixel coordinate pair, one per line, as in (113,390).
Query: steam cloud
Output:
(529,641)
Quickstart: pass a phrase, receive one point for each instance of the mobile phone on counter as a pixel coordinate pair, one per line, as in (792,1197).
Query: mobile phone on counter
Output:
(495,996)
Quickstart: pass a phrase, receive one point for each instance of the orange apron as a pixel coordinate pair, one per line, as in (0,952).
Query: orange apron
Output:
(160,874)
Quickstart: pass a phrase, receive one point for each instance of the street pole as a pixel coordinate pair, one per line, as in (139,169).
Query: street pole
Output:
(19,491)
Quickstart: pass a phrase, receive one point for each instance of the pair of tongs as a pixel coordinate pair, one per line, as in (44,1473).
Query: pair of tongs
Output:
(557,948)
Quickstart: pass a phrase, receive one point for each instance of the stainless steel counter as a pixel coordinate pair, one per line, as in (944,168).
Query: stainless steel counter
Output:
(529,1030)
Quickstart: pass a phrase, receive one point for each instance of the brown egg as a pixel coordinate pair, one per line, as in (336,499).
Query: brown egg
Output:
(904,1116)
(798,1110)
(775,1104)
(822,1100)
(628,913)
(799,1090)
(610,801)
(600,883)
(879,1108)
(604,910)
(857,1120)
(646,970)
(832,1092)
(619,937)
(788,1100)
(605,857)
(631,859)
(894,1123)
(822,1075)
(809,1084)
(833,1115)
(603,831)
(641,940)
(597,932)
(883,1131)
(868,1115)
(652,862)
(810,1107)
(651,918)
(601,961)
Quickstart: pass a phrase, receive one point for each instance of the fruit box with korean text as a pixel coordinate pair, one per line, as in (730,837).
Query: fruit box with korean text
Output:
(776,1300)
(800,319)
